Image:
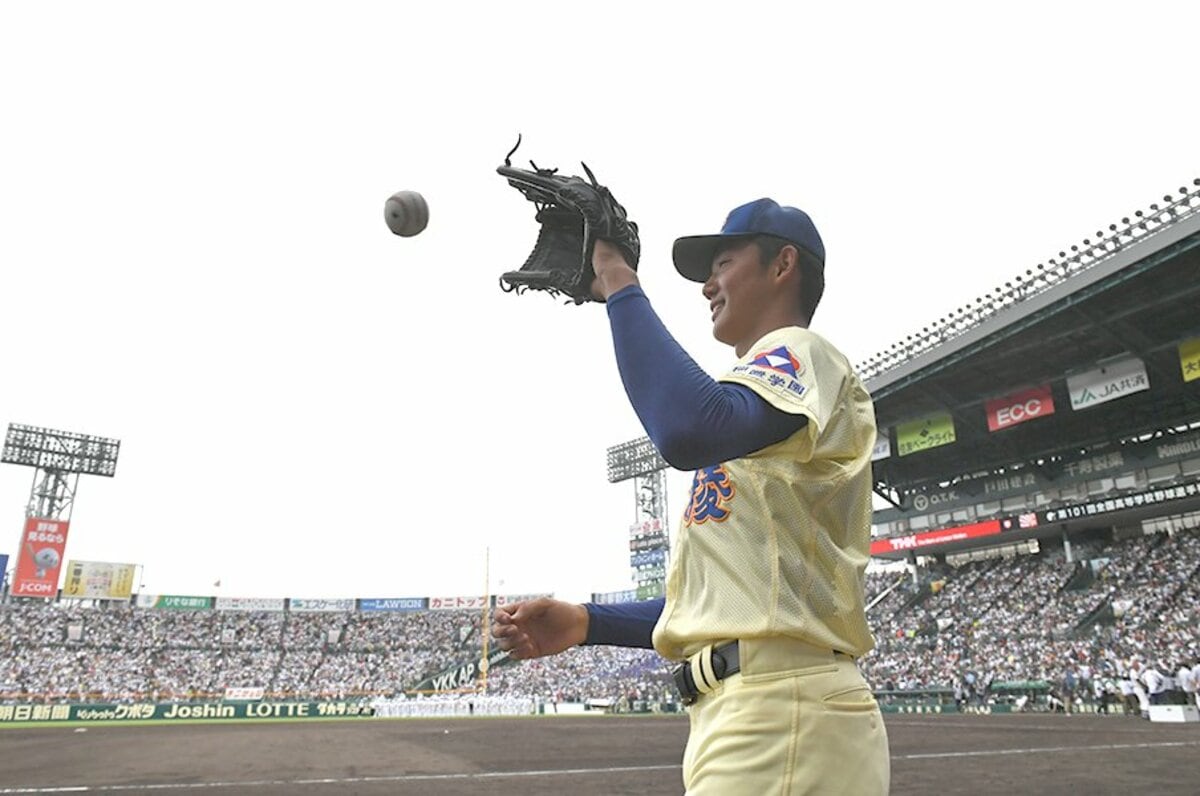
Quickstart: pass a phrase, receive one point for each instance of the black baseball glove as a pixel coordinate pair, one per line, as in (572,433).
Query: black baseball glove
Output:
(574,213)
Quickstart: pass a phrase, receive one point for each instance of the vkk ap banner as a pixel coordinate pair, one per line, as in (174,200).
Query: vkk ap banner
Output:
(40,558)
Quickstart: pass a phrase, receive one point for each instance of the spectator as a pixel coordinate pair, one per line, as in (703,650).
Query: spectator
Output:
(1129,697)
(1196,681)
(1186,683)
(1068,690)
(1155,683)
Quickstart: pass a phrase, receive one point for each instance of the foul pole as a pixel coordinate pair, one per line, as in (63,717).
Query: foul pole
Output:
(487,618)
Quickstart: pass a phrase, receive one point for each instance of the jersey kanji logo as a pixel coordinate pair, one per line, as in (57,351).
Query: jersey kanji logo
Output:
(712,490)
(779,359)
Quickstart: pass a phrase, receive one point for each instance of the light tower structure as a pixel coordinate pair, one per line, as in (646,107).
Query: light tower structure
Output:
(649,546)
(58,459)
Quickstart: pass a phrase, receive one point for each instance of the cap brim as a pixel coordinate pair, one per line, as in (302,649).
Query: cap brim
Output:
(694,254)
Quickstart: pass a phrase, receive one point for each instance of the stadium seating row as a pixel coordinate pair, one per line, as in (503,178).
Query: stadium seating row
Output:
(972,626)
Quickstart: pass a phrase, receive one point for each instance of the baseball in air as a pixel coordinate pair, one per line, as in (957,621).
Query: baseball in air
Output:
(406,213)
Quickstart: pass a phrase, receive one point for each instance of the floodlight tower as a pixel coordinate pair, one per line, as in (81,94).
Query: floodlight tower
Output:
(649,546)
(58,459)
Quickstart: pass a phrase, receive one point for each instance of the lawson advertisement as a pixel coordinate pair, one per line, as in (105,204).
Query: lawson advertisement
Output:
(394,604)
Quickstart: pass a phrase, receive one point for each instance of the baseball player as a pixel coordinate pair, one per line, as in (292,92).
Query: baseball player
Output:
(764,605)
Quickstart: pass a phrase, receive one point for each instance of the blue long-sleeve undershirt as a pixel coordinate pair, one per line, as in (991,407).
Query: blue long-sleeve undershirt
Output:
(693,420)
(623,624)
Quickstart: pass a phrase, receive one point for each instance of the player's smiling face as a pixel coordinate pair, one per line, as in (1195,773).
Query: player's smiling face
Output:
(739,290)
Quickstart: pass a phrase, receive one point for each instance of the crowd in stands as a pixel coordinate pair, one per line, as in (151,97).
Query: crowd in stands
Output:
(56,651)
(1116,610)
(1090,627)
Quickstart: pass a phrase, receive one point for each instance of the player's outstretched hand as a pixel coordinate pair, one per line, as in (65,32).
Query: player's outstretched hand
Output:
(539,627)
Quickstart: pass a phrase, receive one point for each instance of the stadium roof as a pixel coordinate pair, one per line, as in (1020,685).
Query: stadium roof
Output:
(1134,291)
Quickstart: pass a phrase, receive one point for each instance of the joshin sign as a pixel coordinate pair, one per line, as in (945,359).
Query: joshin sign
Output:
(40,558)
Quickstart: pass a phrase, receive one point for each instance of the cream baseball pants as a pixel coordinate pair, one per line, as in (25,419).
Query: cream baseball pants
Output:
(795,720)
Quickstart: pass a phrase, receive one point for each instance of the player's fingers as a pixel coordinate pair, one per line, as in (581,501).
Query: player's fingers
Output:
(505,631)
(517,611)
(513,643)
(523,648)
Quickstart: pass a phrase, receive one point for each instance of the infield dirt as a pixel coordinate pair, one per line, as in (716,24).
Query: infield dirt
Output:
(580,756)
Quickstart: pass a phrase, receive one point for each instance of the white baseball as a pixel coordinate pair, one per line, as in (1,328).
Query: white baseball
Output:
(406,213)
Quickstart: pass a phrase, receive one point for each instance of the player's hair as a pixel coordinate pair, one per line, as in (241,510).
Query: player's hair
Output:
(812,271)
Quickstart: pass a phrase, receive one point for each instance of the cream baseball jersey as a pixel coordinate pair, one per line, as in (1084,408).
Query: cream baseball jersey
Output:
(776,543)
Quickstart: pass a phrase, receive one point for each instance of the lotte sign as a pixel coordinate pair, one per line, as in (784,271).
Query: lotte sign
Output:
(1019,407)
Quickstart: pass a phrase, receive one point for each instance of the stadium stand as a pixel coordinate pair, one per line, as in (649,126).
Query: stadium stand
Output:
(964,632)
(71,651)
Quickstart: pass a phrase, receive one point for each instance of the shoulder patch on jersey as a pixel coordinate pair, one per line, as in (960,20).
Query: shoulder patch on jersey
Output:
(779,359)
(712,491)
(777,368)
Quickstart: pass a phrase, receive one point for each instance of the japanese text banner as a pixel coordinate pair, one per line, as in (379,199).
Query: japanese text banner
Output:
(99,580)
(882,448)
(929,432)
(40,558)
(1189,359)
(1110,381)
(930,538)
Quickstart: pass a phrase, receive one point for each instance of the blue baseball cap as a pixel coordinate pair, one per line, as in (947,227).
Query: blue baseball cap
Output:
(694,254)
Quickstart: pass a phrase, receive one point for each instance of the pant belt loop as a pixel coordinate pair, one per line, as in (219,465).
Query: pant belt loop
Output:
(702,671)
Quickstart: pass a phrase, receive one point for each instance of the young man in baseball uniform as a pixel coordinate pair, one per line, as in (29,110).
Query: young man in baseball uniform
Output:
(764,603)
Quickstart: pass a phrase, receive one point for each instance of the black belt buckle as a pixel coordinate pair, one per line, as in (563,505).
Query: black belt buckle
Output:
(724,662)
(688,693)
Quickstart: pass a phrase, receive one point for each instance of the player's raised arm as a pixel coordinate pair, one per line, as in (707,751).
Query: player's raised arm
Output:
(693,419)
(543,626)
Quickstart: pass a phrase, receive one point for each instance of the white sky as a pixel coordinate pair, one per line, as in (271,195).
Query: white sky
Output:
(194,258)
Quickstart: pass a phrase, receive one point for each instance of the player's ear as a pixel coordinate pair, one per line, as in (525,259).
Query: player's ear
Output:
(787,262)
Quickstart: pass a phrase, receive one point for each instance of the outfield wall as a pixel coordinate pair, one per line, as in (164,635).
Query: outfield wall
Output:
(182,711)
